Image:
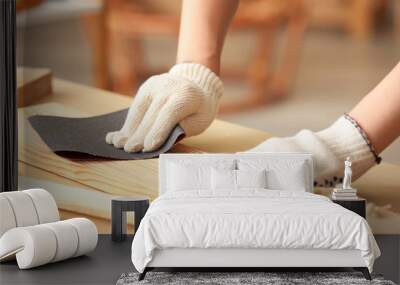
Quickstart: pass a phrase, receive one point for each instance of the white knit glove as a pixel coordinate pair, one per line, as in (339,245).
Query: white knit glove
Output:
(187,95)
(329,148)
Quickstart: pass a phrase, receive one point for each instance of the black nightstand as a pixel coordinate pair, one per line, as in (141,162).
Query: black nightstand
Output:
(357,205)
(119,207)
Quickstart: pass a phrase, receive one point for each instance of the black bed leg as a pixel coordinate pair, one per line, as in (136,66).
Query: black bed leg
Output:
(366,274)
(142,275)
(364,271)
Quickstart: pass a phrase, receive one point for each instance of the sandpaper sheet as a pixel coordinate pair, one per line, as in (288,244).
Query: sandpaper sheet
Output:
(87,135)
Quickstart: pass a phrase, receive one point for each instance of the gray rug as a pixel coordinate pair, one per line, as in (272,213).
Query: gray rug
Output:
(231,278)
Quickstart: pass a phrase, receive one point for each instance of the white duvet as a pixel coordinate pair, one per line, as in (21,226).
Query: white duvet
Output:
(250,219)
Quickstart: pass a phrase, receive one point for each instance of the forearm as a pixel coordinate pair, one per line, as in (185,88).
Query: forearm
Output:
(378,113)
(204,24)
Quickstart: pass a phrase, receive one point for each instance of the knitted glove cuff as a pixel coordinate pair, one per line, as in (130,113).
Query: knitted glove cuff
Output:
(201,76)
(344,139)
(378,159)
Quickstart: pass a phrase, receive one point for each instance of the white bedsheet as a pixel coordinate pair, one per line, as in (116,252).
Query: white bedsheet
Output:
(250,219)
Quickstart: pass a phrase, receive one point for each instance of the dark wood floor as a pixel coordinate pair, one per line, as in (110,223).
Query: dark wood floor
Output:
(110,260)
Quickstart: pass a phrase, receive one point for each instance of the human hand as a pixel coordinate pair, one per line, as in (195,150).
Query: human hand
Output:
(329,148)
(187,95)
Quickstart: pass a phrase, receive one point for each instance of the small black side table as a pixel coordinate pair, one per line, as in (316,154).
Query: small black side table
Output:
(357,205)
(119,207)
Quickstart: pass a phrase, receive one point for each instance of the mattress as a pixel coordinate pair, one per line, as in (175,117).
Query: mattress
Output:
(250,219)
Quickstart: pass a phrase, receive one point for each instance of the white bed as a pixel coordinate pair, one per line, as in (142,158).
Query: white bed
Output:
(203,226)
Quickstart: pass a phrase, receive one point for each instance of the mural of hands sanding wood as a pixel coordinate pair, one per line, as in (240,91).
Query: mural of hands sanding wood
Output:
(146,139)
(100,99)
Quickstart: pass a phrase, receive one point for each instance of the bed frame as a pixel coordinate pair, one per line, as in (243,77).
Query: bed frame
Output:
(236,259)
(260,259)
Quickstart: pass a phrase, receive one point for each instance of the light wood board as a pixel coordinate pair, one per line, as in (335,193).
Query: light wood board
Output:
(103,226)
(140,177)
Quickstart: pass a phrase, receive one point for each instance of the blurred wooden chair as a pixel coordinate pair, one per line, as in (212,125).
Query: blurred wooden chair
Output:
(120,65)
(356,17)
(396,17)
(22,5)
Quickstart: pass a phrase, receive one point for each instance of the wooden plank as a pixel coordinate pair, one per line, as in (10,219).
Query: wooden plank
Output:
(32,85)
(103,226)
(69,195)
(69,203)
(380,185)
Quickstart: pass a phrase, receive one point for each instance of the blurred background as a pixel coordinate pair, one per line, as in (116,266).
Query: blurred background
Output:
(287,65)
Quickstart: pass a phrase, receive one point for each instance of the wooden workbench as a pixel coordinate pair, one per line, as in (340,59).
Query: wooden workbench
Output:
(137,177)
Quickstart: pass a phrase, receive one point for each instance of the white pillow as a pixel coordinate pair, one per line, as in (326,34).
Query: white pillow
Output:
(184,175)
(251,178)
(223,179)
(183,178)
(235,179)
(292,179)
(281,174)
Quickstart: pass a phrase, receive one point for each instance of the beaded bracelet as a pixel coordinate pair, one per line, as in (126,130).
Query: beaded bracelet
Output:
(378,159)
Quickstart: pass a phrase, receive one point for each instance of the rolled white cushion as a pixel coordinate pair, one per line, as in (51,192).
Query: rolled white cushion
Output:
(67,240)
(46,207)
(41,244)
(7,218)
(33,246)
(87,234)
(23,208)
(26,208)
